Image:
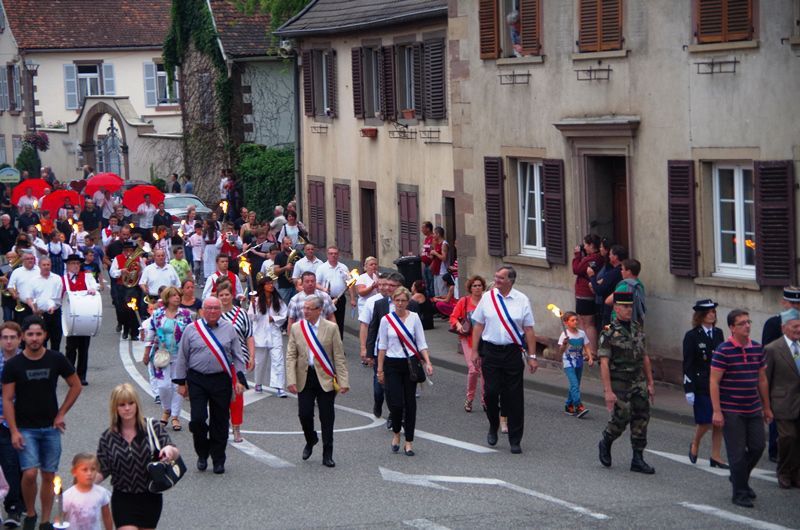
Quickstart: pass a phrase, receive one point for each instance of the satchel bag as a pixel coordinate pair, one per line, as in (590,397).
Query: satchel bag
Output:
(162,358)
(162,475)
(416,373)
(466,326)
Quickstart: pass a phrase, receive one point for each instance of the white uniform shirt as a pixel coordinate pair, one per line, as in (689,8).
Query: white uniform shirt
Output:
(265,333)
(154,277)
(388,339)
(91,283)
(304,265)
(333,278)
(47,292)
(22,280)
(25,201)
(209,286)
(267,266)
(365,313)
(519,307)
(146,214)
(367,280)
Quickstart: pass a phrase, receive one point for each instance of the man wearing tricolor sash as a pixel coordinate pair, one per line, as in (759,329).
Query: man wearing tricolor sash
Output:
(503,331)
(315,371)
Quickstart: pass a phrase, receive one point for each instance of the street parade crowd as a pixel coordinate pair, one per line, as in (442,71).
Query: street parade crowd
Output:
(271,307)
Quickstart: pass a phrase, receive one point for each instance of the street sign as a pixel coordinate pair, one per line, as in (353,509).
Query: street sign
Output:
(9,175)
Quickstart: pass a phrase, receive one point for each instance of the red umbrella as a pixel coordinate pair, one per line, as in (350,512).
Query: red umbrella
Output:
(110,181)
(37,187)
(55,200)
(135,196)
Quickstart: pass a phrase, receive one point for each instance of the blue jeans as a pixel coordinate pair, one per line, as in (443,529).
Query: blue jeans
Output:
(42,449)
(574,378)
(286,293)
(427,275)
(9,461)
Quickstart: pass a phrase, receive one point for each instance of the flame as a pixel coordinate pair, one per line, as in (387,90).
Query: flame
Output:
(35,204)
(553,308)
(749,243)
(132,225)
(133,304)
(57,485)
(244,265)
(71,222)
(38,227)
(155,236)
(353,278)
(224,206)
(180,231)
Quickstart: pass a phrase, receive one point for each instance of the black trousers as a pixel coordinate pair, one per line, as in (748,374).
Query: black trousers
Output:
(52,324)
(210,400)
(126,315)
(744,443)
(341,311)
(312,392)
(77,353)
(19,316)
(9,461)
(502,368)
(401,396)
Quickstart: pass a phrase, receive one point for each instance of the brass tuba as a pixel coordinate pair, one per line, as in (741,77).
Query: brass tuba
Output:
(294,257)
(133,269)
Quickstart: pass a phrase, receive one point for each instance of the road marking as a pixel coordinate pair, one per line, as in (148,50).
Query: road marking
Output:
(245,446)
(430,481)
(704,465)
(733,517)
(424,524)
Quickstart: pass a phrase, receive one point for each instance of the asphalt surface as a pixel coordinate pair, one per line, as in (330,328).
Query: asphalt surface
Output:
(454,481)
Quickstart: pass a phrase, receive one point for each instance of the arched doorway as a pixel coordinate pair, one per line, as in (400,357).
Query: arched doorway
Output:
(104,144)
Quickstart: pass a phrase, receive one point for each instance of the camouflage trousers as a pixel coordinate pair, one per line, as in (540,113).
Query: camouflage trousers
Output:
(632,406)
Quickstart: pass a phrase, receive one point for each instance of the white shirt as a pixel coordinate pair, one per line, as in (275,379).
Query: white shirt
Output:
(25,201)
(388,339)
(265,333)
(197,243)
(91,283)
(365,313)
(267,266)
(85,509)
(146,214)
(47,292)
(366,280)
(21,280)
(333,278)
(154,277)
(314,326)
(207,289)
(519,307)
(116,272)
(223,237)
(40,248)
(108,236)
(305,265)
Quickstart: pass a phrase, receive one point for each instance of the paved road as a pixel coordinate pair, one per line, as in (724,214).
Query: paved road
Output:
(454,481)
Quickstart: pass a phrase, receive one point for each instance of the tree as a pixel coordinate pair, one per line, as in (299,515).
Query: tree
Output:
(279,10)
(267,177)
(28,160)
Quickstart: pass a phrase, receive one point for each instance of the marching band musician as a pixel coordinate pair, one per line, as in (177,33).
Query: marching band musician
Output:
(46,292)
(77,350)
(210,287)
(230,244)
(20,285)
(126,270)
(109,233)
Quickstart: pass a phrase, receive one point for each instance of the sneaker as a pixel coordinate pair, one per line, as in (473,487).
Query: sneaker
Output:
(12,520)
(418,393)
(281,394)
(157,400)
(259,389)
(581,411)
(569,410)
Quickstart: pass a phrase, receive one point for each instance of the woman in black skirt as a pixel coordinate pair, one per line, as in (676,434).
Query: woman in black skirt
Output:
(699,344)
(132,505)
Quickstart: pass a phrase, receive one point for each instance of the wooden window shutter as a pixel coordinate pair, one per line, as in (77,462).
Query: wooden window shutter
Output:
(530,23)
(589,32)
(435,80)
(681,215)
(495,205)
(357,55)
(419,80)
(555,223)
(489,29)
(738,20)
(316,212)
(330,74)
(611,24)
(409,222)
(344,234)
(387,85)
(723,20)
(776,249)
(308,83)
(600,25)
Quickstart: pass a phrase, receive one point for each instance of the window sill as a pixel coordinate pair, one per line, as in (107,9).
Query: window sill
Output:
(794,41)
(517,61)
(530,261)
(723,46)
(593,56)
(727,281)
(321,119)
(373,122)
(173,108)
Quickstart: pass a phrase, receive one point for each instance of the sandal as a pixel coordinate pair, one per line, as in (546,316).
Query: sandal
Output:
(164,418)
(237,435)
(176,424)
(468,405)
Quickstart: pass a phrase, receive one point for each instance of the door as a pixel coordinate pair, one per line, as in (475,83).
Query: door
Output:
(369,235)
(607,198)
(449,220)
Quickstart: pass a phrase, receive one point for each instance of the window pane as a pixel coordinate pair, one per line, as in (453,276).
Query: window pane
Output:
(726,187)
(531,239)
(162,88)
(94,86)
(750,250)
(727,215)
(747,184)
(728,247)
(749,215)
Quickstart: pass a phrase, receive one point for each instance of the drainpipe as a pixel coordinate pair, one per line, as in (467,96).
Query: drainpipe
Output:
(298,173)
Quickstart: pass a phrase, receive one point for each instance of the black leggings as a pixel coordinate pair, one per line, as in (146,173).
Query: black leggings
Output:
(400,395)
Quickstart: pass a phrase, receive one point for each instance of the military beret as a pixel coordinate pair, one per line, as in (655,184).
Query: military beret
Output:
(623,298)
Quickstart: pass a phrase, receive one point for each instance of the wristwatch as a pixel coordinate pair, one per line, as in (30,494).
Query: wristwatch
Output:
(532,357)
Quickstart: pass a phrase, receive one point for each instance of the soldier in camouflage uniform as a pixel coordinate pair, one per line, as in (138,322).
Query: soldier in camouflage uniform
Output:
(627,383)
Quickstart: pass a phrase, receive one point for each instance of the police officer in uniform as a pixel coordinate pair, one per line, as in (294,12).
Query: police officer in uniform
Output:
(627,383)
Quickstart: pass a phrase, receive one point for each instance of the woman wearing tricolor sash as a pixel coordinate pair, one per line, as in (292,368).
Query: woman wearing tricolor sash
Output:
(401,336)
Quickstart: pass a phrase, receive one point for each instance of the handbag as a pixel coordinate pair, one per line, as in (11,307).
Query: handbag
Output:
(162,358)
(415,371)
(162,475)
(466,324)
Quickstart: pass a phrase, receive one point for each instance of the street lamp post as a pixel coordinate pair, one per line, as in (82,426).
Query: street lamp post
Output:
(32,68)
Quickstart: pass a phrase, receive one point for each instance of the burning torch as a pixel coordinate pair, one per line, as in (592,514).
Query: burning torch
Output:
(558,313)
(58,505)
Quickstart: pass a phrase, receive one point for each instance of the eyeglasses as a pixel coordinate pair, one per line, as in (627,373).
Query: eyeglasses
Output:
(743,323)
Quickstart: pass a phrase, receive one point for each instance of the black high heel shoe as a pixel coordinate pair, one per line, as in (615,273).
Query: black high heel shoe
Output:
(721,465)
(693,457)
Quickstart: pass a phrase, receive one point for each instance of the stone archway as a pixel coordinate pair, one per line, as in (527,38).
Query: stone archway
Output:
(93,114)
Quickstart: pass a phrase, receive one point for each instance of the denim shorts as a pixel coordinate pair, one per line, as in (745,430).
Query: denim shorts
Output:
(42,449)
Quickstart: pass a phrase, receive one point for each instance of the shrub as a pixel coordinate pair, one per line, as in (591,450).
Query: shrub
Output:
(267,177)
(28,160)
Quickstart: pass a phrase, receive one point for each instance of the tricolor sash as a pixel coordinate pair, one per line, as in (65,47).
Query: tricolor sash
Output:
(405,336)
(505,318)
(319,353)
(216,348)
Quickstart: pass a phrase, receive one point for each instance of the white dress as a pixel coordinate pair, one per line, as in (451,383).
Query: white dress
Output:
(210,259)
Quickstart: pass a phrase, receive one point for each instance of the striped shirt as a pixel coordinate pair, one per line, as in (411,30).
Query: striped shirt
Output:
(244,328)
(740,366)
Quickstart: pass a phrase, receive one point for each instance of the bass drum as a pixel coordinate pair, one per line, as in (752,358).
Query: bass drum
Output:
(81,314)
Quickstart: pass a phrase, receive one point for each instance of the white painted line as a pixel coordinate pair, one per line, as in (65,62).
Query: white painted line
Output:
(733,517)
(704,465)
(424,524)
(431,481)
(259,454)
(467,446)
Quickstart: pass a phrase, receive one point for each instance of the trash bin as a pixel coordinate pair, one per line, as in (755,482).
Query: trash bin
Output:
(410,268)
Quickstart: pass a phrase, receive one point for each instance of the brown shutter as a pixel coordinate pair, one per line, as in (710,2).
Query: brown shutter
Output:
(776,248)
(435,80)
(682,222)
(356,55)
(308,83)
(530,24)
(738,20)
(611,25)
(316,212)
(589,31)
(708,14)
(387,86)
(330,74)
(495,205)
(344,234)
(409,222)
(419,80)
(723,20)
(555,223)
(488,27)
(600,25)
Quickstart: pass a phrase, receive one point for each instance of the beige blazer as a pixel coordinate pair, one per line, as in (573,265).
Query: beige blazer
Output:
(784,380)
(297,357)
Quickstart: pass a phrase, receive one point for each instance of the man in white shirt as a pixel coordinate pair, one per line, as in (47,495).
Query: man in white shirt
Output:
(365,316)
(309,289)
(210,287)
(46,292)
(110,232)
(27,200)
(146,212)
(308,263)
(158,274)
(20,284)
(332,278)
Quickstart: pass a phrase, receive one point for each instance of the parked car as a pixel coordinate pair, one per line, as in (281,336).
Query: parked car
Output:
(177,204)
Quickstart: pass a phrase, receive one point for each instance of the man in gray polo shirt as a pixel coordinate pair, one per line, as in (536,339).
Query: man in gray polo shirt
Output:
(208,358)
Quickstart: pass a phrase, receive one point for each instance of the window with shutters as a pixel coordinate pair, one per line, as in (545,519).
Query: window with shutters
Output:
(88,76)
(344,233)
(723,20)
(316,212)
(16,146)
(371,76)
(406,77)
(408,207)
(531,209)
(3,155)
(165,95)
(599,25)
(319,80)
(14,88)
(509,28)
(734,221)
(205,89)
(4,100)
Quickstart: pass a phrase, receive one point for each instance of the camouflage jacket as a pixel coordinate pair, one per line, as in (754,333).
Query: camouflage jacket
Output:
(624,349)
